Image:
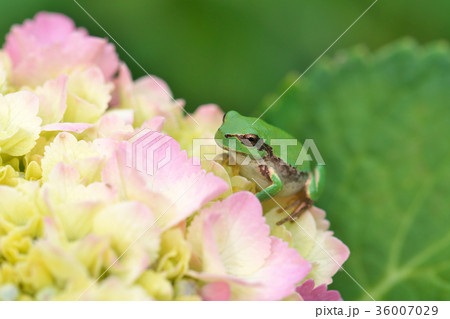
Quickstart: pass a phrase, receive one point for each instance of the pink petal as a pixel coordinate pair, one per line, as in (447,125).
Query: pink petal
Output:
(155,166)
(67,127)
(209,116)
(320,293)
(155,124)
(123,86)
(189,186)
(49,45)
(149,152)
(116,124)
(325,267)
(154,86)
(283,269)
(216,291)
(43,30)
(240,233)
(47,28)
(126,116)
(168,171)
(116,168)
(232,242)
(208,112)
(108,61)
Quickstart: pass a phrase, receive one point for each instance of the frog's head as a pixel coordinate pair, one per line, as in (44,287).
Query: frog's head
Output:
(237,133)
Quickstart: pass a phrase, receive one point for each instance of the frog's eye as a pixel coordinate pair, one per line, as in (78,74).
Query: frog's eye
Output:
(250,139)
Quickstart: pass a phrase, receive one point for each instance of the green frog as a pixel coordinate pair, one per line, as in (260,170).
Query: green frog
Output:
(273,159)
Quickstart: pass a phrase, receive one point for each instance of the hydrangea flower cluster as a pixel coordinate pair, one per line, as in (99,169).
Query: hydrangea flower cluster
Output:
(78,223)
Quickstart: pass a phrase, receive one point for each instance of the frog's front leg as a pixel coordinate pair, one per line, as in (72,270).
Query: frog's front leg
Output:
(226,159)
(316,182)
(275,186)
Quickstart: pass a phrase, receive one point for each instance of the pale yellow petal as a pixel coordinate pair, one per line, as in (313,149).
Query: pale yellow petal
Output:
(88,96)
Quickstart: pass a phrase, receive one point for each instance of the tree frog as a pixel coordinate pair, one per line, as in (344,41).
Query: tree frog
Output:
(270,157)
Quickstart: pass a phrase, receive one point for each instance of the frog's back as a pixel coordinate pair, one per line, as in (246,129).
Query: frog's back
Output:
(283,144)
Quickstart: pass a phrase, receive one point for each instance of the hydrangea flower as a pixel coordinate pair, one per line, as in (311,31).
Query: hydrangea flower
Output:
(50,45)
(19,123)
(231,241)
(174,192)
(88,212)
(148,96)
(311,237)
(86,157)
(52,99)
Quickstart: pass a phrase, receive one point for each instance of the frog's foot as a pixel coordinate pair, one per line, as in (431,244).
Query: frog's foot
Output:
(222,158)
(295,203)
(225,159)
(303,206)
(235,169)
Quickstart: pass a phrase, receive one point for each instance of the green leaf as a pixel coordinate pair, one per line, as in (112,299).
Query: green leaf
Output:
(382,124)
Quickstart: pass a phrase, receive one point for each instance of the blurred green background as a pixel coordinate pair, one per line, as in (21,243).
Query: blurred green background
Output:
(380,120)
(234,52)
